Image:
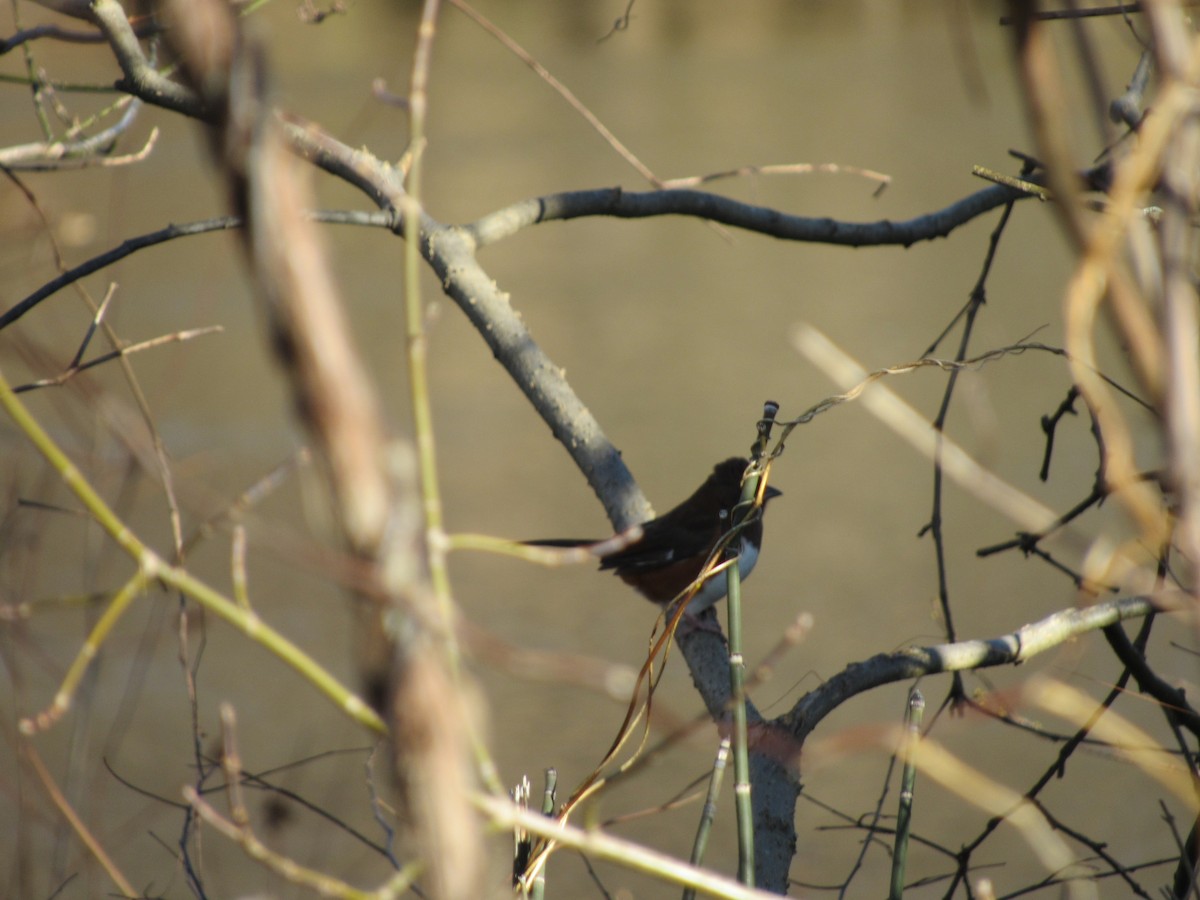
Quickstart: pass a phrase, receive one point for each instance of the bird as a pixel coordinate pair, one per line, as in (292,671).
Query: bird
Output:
(673,548)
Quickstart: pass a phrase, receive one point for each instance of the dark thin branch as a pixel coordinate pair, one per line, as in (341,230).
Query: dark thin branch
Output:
(144,28)
(1149,682)
(1097,847)
(1025,541)
(54,32)
(716,208)
(1050,425)
(125,248)
(1122,9)
(76,367)
(170,233)
(977,298)
(1185,872)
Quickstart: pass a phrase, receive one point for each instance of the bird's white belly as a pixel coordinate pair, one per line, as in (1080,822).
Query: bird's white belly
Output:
(715,588)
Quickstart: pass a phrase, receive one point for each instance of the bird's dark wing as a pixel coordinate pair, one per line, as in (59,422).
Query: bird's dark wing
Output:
(664,542)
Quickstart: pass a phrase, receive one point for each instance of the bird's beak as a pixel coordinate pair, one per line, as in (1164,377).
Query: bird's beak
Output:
(770,493)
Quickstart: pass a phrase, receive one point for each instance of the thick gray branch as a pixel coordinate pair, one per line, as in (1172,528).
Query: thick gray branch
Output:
(913,662)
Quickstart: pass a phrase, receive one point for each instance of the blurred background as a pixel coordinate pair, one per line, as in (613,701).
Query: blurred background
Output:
(672,331)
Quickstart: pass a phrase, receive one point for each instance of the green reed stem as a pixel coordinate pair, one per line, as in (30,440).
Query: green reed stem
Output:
(913,715)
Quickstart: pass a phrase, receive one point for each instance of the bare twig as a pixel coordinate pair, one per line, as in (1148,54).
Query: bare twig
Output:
(781,169)
(77,824)
(562,90)
(76,367)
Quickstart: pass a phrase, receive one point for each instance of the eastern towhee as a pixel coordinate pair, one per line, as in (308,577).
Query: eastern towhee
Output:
(675,546)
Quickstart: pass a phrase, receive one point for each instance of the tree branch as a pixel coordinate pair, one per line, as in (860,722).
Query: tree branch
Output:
(1023,644)
(760,219)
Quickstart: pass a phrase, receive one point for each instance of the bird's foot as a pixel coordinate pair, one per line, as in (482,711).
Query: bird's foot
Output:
(705,621)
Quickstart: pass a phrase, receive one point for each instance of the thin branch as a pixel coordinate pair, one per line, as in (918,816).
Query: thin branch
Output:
(1017,184)
(912,427)
(124,249)
(781,169)
(562,90)
(77,824)
(75,368)
(59,156)
(151,566)
(726,211)
(598,845)
(1088,12)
